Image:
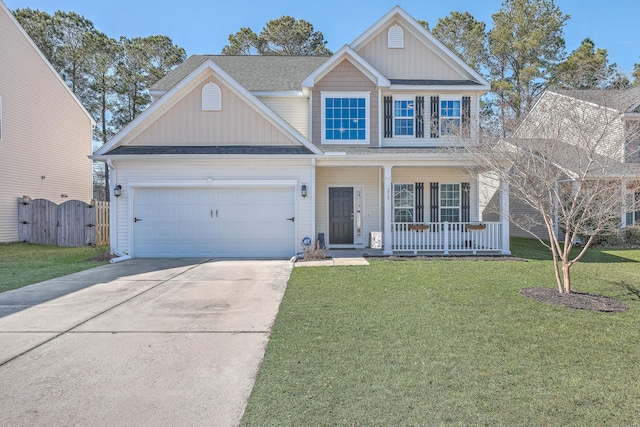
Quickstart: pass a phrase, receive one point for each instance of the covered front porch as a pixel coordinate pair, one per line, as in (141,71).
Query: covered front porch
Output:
(406,207)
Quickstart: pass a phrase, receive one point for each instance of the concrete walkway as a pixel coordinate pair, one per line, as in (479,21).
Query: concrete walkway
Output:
(143,342)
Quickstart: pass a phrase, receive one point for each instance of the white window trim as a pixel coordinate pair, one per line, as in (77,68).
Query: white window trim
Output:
(440,117)
(440,207)
(393,116)
(394,207)
(0,118)
(367,117)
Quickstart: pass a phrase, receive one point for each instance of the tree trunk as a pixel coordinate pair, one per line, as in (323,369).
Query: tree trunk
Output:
(566,278)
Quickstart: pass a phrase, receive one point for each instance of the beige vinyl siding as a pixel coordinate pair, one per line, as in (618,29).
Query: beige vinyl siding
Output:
(175,172)
(368,178)
(294,110)
(45,132)
(441,175)
(345,77)
(238,123)
(415,61)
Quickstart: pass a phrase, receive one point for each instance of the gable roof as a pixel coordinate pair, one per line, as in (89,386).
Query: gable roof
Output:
(5,9)
(255,73)
(157,108)
(441,50)
(622,100)
(346,52)
(573,159)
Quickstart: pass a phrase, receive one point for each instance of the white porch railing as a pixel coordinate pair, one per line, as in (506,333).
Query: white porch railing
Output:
(446,237)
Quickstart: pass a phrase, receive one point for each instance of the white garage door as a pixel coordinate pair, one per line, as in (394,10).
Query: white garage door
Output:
(244,222)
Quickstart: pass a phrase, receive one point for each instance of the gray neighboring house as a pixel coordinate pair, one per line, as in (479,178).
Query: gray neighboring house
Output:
(611,115)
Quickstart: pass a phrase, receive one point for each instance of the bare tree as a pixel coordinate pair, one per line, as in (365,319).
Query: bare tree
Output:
(572,165)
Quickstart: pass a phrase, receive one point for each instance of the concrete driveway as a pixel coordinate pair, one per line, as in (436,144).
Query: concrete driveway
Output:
(143,342)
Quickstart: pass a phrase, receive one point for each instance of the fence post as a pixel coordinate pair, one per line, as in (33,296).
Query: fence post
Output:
(446,237)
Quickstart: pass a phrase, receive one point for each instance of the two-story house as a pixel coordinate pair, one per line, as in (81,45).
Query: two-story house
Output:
(251,156)
(45,133)
(600,124)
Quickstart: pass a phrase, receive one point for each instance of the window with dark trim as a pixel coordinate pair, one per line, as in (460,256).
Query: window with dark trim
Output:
(405,116)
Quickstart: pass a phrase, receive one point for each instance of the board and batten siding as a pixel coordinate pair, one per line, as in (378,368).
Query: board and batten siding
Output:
(45,132)
(238,122)
(368,178)
(294,110)
(415,61)
(175,171)
(345,77)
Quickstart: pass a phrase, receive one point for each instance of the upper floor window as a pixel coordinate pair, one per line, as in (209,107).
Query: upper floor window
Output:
(450,116)
(403,117)
(345,118)
(406,116)
(211,97)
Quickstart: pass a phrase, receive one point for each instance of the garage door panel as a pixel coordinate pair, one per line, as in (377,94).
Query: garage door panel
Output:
(182,222)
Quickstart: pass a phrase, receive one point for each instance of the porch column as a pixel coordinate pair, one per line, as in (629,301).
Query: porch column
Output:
(387,201)
(504,217)
(624,208)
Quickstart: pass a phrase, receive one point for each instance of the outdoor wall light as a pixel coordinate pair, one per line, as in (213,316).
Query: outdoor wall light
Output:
(117,190)
(303,190)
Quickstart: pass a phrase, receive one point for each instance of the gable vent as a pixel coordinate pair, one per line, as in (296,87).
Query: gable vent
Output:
(211,97)
(395,37)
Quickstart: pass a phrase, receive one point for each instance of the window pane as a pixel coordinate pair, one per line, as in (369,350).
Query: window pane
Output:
(403,215)
(450,202)
(349,118)
(404,117)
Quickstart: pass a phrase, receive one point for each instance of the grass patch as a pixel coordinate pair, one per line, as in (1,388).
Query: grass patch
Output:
(452,342)
(23,264)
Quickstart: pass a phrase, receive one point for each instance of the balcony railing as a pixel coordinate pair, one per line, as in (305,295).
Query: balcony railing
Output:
(446,237)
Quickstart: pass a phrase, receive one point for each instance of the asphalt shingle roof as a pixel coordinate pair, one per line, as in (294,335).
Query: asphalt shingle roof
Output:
(256,73)
(207,149)
(619,99)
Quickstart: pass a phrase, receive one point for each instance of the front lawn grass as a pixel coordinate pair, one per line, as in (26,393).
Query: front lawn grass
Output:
(23,264)
(452,343)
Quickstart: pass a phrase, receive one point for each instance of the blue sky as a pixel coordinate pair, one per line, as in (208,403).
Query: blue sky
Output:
(202,26)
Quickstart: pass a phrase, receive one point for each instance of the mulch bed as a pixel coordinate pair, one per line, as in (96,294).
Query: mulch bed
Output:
(577,300)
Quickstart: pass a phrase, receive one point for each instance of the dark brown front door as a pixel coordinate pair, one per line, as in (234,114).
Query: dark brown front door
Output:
(341,215)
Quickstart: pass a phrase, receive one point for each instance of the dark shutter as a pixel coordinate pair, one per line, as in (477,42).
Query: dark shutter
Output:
(435,114)
(434,202)
(465,189)
(419,116)
(388,117)
(419,202)
(466,115)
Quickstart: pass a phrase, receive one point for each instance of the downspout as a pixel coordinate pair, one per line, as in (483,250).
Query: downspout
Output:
(313,198)
(113,214)
(380,117)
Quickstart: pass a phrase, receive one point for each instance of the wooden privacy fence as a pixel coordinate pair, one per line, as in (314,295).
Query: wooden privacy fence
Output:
(72,223)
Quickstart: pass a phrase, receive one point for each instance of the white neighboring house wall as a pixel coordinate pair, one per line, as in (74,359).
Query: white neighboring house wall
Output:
(46,133)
